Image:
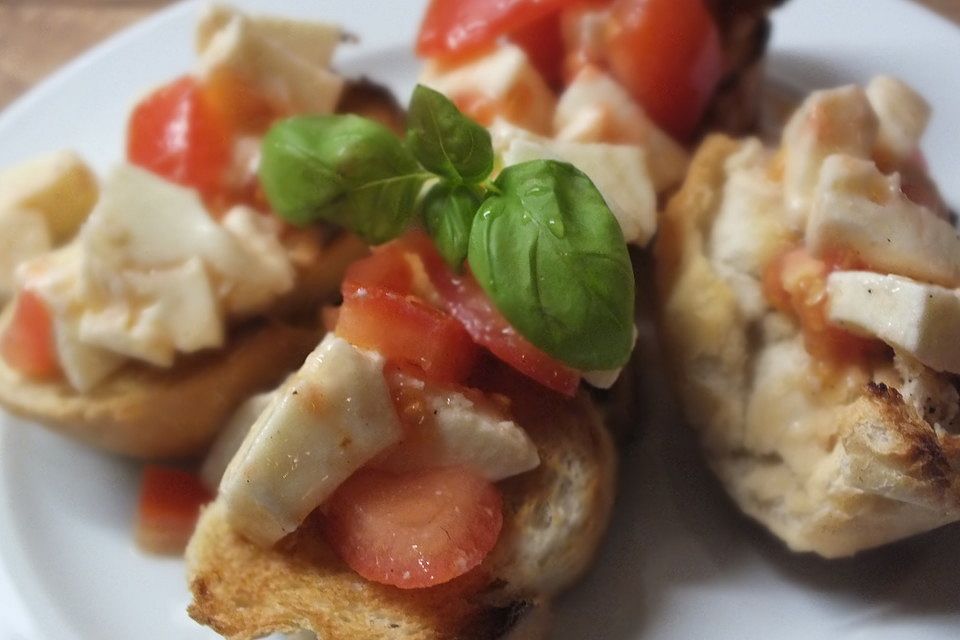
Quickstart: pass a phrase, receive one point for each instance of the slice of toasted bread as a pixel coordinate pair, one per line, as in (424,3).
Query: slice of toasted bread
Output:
(149,412)
(554,517)
(832,464)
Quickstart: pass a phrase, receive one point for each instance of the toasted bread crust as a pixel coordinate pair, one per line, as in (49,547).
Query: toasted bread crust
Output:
(872,470)
(243,591)
(148,412)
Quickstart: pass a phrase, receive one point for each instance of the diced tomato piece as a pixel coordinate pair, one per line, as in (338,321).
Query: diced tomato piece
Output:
(542,40)
(170,501)
(463,298)
(240,106)
(467,302)
(177,133)
(386,268)
(28,343)
(415,529)
(458,26)
(796,284)
(668,54)
(407,330)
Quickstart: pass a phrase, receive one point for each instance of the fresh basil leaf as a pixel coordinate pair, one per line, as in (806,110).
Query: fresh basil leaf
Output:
(445,141)
(551,256)
(448,212)
(343,169)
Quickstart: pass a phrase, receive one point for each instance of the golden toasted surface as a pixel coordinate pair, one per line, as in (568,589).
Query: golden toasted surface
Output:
(832,464)
(553,519)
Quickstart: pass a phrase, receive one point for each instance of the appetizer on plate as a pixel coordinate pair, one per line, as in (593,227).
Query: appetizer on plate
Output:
(435,468)
(810,308)
(181,294)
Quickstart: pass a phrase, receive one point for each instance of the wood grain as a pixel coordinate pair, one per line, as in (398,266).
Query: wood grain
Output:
(38,36)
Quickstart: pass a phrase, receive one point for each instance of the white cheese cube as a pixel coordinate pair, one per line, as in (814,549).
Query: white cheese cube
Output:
(456,431)
(285,62)
(920,319)
(504,82)
(903,116)
(54,276)
(312,41)
(595,108)
(268,274)
(58,185)
(231,437)
(161,312)
(856,207)
(828,122)
(328,420)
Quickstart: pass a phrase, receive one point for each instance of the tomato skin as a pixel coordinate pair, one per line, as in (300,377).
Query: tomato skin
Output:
(463,298)
(178,134)
(28,344)
(406,330)
(542,40)
(468,303)
(460,26)
(416,529)
(168,508)
(237,103)
(667,53)
(387,269)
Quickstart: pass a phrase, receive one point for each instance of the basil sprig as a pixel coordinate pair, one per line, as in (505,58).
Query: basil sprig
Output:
(540,239)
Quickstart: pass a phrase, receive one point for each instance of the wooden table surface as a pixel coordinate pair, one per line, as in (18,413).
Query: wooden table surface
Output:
(37,36)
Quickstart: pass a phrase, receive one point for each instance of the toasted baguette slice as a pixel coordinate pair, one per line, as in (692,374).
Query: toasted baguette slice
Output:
(149,412)
(832,465)
(554,517)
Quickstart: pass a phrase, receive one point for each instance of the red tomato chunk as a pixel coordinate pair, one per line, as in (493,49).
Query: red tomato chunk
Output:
(170,501)
(415,529)
(28,343)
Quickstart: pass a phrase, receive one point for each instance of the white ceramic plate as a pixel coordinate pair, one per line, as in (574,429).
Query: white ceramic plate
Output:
(679,562)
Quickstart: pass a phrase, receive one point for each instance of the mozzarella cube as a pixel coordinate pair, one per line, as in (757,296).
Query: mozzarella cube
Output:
(54,276)
(231,437)
(58,185)
(328,420)
(160,312)
(856,207)
(595,108)
(457,431)
(903,115)
(920,319)
(314,42)
(828,122)
(268,272)
(286,62)
(503,83)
